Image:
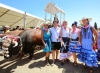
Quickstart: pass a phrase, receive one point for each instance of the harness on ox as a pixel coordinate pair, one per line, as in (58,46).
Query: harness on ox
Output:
(15,38)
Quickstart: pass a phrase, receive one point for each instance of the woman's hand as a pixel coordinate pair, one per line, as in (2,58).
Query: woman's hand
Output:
(62,43)
(45,45)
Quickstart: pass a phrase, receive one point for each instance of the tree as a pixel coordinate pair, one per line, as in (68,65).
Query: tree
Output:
(95,26)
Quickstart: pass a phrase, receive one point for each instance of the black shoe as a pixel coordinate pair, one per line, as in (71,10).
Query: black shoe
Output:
(57,60)
(62,63)
(67,60)
(49,62)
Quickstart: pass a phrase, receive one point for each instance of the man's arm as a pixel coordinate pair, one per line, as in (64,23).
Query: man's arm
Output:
(95,34)
(80,36)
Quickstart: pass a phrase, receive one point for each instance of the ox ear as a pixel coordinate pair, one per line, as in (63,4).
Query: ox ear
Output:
(16,43)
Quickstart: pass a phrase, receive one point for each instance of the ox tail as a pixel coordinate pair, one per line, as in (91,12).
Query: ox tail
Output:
(20,54)
(20,42)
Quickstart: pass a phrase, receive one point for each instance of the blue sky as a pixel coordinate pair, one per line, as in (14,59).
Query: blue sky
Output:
(75,9)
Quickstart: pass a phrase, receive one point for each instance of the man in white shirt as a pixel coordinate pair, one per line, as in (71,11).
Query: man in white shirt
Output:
(55,39)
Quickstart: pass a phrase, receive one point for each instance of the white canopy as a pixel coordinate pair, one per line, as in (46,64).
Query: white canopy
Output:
(53,9)
(14,17)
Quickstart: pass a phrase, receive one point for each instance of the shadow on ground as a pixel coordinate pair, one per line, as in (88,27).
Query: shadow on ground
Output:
(6,66)
(14,62)
(68,67)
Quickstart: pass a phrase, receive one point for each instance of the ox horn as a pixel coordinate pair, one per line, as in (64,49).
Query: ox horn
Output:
(16,43)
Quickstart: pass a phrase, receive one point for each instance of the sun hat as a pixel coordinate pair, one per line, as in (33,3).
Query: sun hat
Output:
(85,18)
(7,26)
(46,23)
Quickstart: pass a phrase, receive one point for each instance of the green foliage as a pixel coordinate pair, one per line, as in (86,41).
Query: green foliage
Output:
(95,26)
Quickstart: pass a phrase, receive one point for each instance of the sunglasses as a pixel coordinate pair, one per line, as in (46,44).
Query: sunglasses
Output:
(55,21)
(45,25)
(65,23)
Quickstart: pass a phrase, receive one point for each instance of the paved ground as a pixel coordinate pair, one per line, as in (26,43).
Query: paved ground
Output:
(37,65)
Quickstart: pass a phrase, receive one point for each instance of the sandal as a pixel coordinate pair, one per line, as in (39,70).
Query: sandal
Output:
(75,63)
(57,60)
(90,69)
(67,60)
(85,66)
(62,63)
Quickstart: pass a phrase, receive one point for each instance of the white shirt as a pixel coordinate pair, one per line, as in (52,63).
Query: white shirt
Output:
(75,34)
(65,32)
(55,33)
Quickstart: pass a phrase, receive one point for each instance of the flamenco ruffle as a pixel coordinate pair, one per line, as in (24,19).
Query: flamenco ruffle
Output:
(89,57)
(72,49)
(98,55)
(65,55)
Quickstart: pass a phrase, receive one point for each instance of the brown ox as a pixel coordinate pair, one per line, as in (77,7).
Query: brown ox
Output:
(15,32)
(31,38)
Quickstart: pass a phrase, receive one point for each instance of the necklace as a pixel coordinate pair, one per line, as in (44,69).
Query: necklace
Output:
(86,26)
(85,29)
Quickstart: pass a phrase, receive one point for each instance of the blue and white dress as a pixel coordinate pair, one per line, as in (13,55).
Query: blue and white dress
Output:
(87,54)
(47,40)
(74,42)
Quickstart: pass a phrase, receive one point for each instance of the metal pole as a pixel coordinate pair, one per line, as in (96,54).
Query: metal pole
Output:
(25,20)
(60,18)
(51,19)
(45,15)
(64,16)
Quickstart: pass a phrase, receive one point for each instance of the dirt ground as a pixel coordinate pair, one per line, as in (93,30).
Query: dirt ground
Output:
(37,65)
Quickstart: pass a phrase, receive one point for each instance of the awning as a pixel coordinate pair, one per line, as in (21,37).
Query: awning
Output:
(14,17)
(53,9)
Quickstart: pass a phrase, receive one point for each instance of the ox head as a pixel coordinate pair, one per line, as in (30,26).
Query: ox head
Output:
(7,45)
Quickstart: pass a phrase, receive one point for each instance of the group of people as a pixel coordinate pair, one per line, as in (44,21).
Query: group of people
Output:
(6,29)
(71,41)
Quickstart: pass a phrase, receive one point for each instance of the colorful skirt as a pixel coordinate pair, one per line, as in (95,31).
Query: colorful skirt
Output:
(65,55)
(64,47)
(72,49)
(89,57)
